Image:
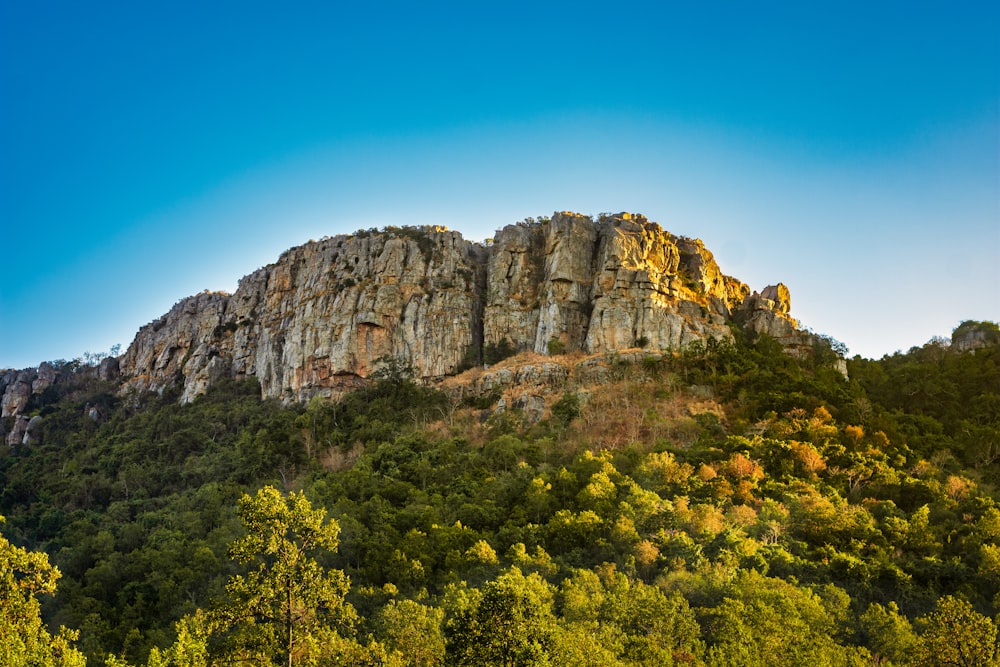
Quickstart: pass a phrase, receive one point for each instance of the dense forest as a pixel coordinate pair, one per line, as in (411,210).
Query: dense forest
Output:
(725,505)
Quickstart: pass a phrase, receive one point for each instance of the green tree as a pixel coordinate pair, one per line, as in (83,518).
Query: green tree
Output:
(414,631)
(566,409)
(510,625)
(956,635)
(24,639)
(631,621)
(769,622)
(889,633)
(556,347)
(190,649)
(494,353)
(288,608)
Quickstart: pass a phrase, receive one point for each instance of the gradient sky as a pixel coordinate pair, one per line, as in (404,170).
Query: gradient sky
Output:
(149,151)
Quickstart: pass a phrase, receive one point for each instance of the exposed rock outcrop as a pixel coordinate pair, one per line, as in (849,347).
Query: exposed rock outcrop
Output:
(20,428)
(318,320)
(971,335)
(768,313)
(16,387)
(23,391)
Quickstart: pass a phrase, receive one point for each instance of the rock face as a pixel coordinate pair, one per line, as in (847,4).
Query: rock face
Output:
(767,313)
(19,387)
(315,322)
(318,320)
(604,285)
(971,336)
(16,386)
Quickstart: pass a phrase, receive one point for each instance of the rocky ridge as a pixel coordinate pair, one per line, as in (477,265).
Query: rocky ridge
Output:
(317,321)
(19,388)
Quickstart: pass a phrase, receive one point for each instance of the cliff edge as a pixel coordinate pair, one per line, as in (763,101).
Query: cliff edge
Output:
(317,321)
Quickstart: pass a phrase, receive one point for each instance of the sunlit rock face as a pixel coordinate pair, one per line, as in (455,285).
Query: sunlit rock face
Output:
(604,285)
(317,321)
(655,290)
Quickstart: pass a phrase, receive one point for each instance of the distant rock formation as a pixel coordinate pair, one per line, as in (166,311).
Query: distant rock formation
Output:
(18,388)
(317,321)
(971,335)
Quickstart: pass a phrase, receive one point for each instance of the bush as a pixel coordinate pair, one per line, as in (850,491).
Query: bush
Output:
(566,409)
(556,347)
(494,353)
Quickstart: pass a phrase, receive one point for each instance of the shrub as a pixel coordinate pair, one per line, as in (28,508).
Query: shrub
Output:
(556,347)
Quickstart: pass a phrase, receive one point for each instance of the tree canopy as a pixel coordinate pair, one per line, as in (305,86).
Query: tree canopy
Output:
(24,639)
(730,504)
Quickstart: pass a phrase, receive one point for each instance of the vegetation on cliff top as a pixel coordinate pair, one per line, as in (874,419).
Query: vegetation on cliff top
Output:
(727,505)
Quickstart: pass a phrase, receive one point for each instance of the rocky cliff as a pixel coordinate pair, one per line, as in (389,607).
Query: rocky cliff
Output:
(971,335)
(21,389)
(317,321)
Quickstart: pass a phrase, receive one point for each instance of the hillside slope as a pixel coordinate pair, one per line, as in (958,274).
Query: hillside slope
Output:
(726,503)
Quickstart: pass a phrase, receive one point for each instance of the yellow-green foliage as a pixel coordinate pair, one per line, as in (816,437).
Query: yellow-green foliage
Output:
(730,506)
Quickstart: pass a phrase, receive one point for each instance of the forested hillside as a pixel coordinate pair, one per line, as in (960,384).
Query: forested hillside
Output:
(726,505)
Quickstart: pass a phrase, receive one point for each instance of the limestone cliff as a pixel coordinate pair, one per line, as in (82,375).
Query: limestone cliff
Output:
(971,335)
(317,321)
(20,391)
(612,284)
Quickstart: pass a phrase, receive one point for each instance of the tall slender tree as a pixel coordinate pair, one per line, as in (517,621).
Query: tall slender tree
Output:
(287,609)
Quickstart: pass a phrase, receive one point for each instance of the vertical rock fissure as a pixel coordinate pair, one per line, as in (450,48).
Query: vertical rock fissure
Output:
(480,259)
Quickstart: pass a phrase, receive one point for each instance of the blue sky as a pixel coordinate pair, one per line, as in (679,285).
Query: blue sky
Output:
(149,152)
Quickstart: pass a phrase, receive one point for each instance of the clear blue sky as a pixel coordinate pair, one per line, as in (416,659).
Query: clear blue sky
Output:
(149,151)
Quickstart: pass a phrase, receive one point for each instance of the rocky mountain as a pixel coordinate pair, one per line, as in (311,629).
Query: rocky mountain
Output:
(317,321)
